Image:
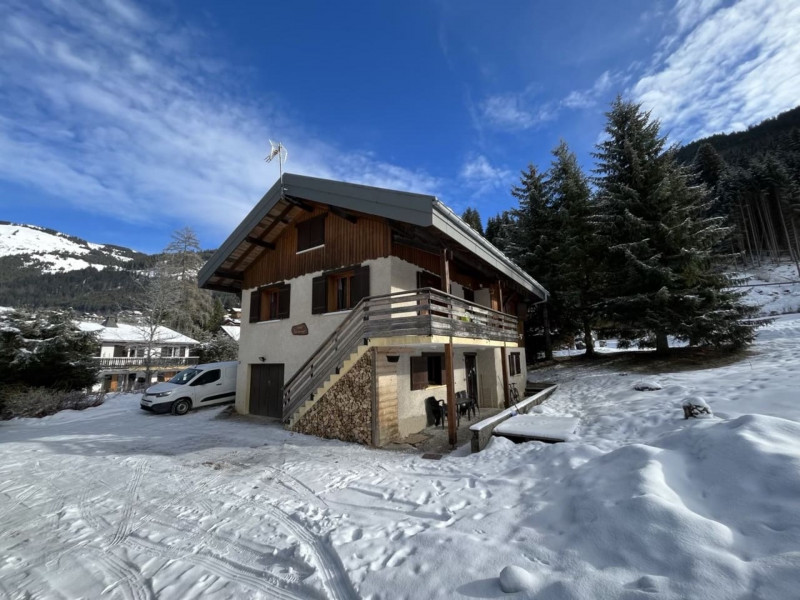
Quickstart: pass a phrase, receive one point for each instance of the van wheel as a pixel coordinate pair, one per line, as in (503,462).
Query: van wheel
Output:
(181,407)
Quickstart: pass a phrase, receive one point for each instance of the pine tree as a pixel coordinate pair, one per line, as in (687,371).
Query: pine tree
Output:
(532,237)
(46,349)
(500,231)
(573,258)
(472,218)
(660,274)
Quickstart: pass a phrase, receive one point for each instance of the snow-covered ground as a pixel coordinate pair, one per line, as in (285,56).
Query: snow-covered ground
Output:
(118,503)
(780,296)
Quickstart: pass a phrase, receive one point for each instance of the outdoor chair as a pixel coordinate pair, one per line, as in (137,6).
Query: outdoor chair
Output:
(466,405)
(435,411)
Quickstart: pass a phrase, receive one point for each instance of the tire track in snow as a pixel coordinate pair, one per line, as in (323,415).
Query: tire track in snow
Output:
(226,569)
(334,576)
(129,580)
(125,525)
(295,485)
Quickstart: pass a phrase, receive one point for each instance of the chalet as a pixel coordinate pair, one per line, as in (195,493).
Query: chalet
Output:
(126,350)
(359,303)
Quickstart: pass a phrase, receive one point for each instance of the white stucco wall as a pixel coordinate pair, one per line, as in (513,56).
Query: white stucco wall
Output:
(274,339)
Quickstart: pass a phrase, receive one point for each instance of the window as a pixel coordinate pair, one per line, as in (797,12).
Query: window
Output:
(513,364)
(339,290)
(427,370)
(270,303)
(207,377)
(469,295)
(167,351)
(311,233)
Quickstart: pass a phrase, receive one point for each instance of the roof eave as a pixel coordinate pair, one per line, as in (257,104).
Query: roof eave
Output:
(446,221)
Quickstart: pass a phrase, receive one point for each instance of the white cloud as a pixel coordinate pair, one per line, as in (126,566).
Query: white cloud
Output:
(482,177)
(736,66)
(589,98)
(515,111)
(111,110)
(522,110)
(691,12)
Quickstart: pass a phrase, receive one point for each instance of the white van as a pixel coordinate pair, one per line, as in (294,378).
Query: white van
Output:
(201,385)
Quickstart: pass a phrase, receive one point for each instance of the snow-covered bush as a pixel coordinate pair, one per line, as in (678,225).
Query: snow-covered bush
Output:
(22,401)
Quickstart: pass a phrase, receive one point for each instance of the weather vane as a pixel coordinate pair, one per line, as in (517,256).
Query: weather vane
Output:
(279,151)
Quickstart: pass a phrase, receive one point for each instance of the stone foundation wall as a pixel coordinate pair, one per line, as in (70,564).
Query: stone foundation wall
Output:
(345,411)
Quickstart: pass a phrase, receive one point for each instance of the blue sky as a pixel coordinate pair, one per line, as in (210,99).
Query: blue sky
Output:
(124,120)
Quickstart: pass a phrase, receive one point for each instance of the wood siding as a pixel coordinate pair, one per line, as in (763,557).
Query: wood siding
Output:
(346,244)
(433,263)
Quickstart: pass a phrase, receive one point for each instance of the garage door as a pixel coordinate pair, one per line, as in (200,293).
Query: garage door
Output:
(266,390)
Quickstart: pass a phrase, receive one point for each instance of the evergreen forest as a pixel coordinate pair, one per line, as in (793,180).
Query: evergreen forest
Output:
(645,246)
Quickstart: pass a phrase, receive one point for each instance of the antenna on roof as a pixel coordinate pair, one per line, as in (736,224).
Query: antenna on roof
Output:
(279,151)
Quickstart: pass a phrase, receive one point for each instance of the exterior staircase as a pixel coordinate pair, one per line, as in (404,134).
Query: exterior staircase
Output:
(424,312)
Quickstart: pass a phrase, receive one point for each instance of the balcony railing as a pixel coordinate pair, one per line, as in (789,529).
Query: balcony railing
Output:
(423,312)
(156,362)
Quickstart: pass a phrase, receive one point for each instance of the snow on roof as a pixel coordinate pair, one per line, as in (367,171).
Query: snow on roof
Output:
(125,332)
(232,330)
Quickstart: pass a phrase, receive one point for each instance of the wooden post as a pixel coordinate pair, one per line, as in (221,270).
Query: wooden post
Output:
(451,395)
(446,271)
(504,355)
(500,295)
(548,344)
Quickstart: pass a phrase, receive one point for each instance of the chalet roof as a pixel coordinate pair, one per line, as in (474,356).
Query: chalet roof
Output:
(232,330)
(265,223)
(127,333)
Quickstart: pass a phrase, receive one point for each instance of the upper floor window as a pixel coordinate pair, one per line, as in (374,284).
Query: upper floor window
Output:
(340,290)
(311,233)
(270,303)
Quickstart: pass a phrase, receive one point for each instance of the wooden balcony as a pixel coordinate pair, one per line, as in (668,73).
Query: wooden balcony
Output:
(140,362)
(426,313)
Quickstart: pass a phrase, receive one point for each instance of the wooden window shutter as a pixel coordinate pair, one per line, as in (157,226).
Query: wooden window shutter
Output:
(284,295)
(317,231)
(360,285)
(255,306)
(319,295)
(302,237)
(419,372)
(311,233)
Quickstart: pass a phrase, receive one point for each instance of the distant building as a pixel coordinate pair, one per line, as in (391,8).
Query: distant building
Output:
(123,354)
(232,331)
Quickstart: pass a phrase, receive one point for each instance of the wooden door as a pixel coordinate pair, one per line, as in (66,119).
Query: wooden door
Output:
(470,365)
(266,390)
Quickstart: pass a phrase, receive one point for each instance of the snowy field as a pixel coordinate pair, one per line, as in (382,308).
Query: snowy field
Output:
(112,502)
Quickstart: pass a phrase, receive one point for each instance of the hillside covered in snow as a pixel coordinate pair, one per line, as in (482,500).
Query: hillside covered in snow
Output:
(50,251)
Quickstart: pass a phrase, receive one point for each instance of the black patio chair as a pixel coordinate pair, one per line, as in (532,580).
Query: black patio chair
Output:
(435,412)
(466,405)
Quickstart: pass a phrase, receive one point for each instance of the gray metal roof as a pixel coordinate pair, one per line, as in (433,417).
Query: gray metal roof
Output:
(422,210)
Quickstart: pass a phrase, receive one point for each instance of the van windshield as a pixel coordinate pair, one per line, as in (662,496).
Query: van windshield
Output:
(185,376)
